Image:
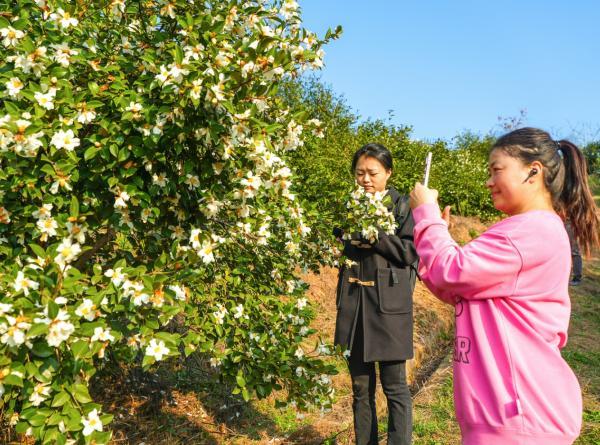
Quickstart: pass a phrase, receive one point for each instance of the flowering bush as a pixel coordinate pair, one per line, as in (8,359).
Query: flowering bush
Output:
(143,176)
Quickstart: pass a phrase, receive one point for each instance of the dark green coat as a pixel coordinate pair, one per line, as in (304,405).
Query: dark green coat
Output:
(387,305)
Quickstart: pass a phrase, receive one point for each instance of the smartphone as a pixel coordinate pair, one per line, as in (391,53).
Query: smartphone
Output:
(427,168)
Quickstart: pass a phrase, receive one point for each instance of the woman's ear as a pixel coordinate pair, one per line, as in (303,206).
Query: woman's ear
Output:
(388,173)
(537,167)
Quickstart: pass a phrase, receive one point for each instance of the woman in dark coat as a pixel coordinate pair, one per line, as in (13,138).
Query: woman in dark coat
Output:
(374,308)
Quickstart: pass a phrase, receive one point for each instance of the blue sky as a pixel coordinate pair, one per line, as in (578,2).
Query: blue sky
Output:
(448,66)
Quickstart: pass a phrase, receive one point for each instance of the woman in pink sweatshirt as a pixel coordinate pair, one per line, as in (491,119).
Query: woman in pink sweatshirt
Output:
(510,291)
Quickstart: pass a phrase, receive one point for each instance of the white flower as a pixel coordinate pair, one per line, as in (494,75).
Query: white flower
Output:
(64,18)
(63,54)
(5,308)
(220,313)
(76,232)
(61,181)
(206,252)
(238,311)
(299,353)
(47,226)
(164,76)
(177,72)
(192,181)
(117,7)
(179,292)
(134,107)
(346,353)
(195,238)
(45,100)
(86,116)
(161,180)
(116,276)
(301,303)
(14,86)
(101,334)
(13,334)
(251,184)
(43,212)
(60,329)
(157,349)
(67,252)
(41,392)
(121,200)
(65,139)
(323,349)
(22,283)
(289,9)
(196,89)
(11,36)
(87,310)
(92,423)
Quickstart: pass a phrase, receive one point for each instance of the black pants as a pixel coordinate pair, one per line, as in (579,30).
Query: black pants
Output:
(393,382)
(575,254)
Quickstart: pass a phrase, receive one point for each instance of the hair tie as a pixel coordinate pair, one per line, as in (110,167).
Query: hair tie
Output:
(559,149)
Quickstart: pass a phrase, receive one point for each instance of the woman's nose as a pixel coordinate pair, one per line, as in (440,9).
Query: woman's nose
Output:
(489,182)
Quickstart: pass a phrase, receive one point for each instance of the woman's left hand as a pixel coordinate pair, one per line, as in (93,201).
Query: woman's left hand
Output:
(422,195)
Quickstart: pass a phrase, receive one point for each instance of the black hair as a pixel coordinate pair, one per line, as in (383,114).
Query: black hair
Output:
(373,150)
(565,177)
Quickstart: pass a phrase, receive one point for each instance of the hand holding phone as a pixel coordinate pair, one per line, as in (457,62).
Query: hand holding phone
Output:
(427,168)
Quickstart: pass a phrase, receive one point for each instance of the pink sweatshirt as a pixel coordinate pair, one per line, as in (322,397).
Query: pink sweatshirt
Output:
(510,292)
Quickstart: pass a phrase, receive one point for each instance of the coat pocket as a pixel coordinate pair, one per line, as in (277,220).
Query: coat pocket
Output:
(394,291)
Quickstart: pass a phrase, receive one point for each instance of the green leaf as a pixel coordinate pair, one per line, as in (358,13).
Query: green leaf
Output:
(240,380)
(41,349)
(38,250)
(37,329)
(60,399)
(80,349)
(20,24)
(245,394)
(178,55)
(81,393)
(11,108)
(53,309)
(94,88)
(94,103)
(14,380)
(91,152)
(74,210)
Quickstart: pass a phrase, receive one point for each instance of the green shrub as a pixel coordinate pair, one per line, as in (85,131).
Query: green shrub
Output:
(143,176)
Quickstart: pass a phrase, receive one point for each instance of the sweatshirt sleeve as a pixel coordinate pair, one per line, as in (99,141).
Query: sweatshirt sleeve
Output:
(400,247)
(486,267)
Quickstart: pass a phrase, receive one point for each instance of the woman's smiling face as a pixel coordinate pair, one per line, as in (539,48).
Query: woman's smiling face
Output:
(510,194)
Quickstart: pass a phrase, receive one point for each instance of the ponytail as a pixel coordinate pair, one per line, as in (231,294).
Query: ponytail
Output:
(576,200)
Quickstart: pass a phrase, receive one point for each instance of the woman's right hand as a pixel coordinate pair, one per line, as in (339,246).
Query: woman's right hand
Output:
(422,195)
